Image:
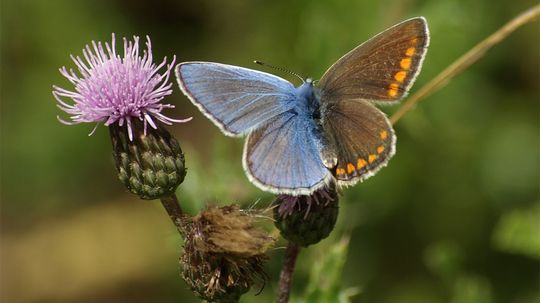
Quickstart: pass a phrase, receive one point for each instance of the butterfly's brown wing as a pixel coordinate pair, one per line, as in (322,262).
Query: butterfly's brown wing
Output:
(360,137)
(382,68)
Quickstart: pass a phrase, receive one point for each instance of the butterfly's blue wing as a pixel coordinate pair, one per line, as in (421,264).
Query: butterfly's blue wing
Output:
(236,99)
(283,156)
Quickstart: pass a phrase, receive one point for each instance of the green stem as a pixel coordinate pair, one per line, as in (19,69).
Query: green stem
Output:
(175,212)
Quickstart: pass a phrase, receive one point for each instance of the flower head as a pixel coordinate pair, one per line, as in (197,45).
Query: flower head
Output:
(224,253)
(306,220)
(303,204)
(116,89)
(150,165)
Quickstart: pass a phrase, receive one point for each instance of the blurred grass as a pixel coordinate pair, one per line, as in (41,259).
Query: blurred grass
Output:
(324,283)
(453,218)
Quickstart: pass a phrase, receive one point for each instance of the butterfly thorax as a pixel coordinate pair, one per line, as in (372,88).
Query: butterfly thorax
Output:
(308,102)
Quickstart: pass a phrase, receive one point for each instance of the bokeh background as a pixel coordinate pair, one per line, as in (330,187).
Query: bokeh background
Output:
(453,218)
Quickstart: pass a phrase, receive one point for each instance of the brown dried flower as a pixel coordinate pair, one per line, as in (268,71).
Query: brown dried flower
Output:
(224,253)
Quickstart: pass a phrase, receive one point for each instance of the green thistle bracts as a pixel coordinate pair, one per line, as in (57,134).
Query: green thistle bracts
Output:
(306,220)
(152,165)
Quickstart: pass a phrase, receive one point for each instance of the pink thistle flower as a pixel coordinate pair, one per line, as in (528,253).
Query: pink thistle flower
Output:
(115,89)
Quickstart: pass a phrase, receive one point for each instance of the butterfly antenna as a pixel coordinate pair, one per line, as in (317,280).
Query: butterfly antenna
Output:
(280,69)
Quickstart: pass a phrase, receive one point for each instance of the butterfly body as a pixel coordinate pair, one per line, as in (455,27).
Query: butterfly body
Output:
(308,105)
(304,102)
(301,138)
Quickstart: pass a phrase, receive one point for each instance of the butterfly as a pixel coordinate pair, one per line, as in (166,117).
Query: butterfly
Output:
(301,138)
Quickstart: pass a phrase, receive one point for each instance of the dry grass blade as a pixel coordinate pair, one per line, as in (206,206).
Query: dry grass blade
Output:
(467,60)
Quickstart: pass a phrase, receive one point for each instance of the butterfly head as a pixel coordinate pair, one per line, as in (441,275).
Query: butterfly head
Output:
(306,90)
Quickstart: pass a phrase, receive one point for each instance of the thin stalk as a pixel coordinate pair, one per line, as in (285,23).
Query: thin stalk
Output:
(175,212)
(285,279)
(467,60)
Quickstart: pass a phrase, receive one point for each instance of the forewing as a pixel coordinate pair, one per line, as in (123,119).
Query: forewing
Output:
(236,99)
(362,137)
(283,156)
(382,68)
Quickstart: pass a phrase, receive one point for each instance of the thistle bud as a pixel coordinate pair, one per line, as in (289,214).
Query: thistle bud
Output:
(224,254)
(151,164)
(307,219)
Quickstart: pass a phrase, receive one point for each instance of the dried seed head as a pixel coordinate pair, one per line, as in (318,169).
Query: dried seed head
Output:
(224,254)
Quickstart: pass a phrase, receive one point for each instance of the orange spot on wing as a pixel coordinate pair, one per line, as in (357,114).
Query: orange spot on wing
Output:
(372,158)
(350,168)
(361,163)
(384,134)
(410,51)
(380,149)
(393,90)
(400,76)
(405,63)
(414,41)
(340,171)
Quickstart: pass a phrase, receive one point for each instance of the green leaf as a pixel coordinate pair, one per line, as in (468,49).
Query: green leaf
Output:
(325,278)
(472,289)
(444,258)
(519,232)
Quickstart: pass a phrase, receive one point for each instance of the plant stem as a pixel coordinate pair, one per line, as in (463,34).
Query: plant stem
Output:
(285,279)
(467,60)
(174,210)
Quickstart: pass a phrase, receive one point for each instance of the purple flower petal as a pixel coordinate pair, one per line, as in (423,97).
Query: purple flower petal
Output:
(113,89)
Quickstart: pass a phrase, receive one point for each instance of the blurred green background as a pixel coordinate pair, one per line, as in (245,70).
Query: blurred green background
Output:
(455,217)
